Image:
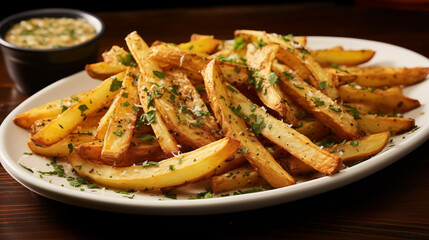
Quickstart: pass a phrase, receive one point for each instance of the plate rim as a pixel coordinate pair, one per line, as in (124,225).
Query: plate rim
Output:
(206,206)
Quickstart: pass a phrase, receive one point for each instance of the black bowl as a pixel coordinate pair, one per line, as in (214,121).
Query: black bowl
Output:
(34,69)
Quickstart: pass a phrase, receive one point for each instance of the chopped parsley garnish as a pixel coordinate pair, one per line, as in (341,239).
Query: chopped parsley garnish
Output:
(128,60)
(116,84)
(159,74)
(118,132)
(339,68)
(238,43)
(147,118)
(146,137)
(258,124)
(273,78)
(82,109)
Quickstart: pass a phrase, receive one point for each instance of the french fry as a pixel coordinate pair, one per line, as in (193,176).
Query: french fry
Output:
(103,70)
(358,150)
(340,76)
(342,57)
(296,57)
(201,44)
(240,178)
(148,68)
(350,152)
(81,134)
(139,151)
(371,124)
(119,56)
(185,168)
(386,100)
(282,135)
(234,126)
(103,124)
(65,123)
(380,76)
(192,62)
(267,83)
(320,105)
(62,148)
(312,128)
(183,110)
(48,110)
(122,121)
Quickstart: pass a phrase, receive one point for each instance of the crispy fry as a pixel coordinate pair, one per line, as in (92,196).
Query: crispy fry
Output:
(48,110)
(358,150)
(103,70)
(139,151)
(281,134)
(185,168)
(234,126)
(342,57)
(267,83)
(240,178)
(371,124)
(386,100)
(380,76)
(122,121)
(148,68)
(191,61)
(62,148)
(201,44)
(183,110)
(320,105)
(65,123)
(350,152)
(296,57)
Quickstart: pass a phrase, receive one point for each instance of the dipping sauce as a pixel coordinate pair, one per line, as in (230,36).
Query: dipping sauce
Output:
(49,32)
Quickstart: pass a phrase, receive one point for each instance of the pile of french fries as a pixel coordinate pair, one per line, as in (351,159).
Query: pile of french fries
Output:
(259,110)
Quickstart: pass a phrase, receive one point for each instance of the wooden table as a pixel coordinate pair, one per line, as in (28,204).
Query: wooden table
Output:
(391,204)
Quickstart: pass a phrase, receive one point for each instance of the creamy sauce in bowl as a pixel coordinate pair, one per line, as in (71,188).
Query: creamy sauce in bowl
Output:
(50,32)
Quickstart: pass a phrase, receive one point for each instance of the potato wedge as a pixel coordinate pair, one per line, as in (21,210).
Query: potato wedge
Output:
(267,83)
(358,150)
(122,121)
(183,110)
(380,76)
(48,110)
(240,178)
(185,168)
(385,100)
(371,124)
(65,123)
(233,126)
(103,70)
(119,56)
(282,135)
(62,148)
(139,151)
(350,152)
(340,76)
(296,57)
(148,69)
(320,105)
(192,62)
(342,57)
(203,44)
(312,128)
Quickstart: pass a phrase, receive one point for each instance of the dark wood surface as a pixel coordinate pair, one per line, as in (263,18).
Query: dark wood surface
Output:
(390,204)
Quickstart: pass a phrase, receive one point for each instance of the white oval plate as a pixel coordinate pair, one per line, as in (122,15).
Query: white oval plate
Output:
(13,146)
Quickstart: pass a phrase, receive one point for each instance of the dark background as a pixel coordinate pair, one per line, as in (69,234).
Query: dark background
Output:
(92,6)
